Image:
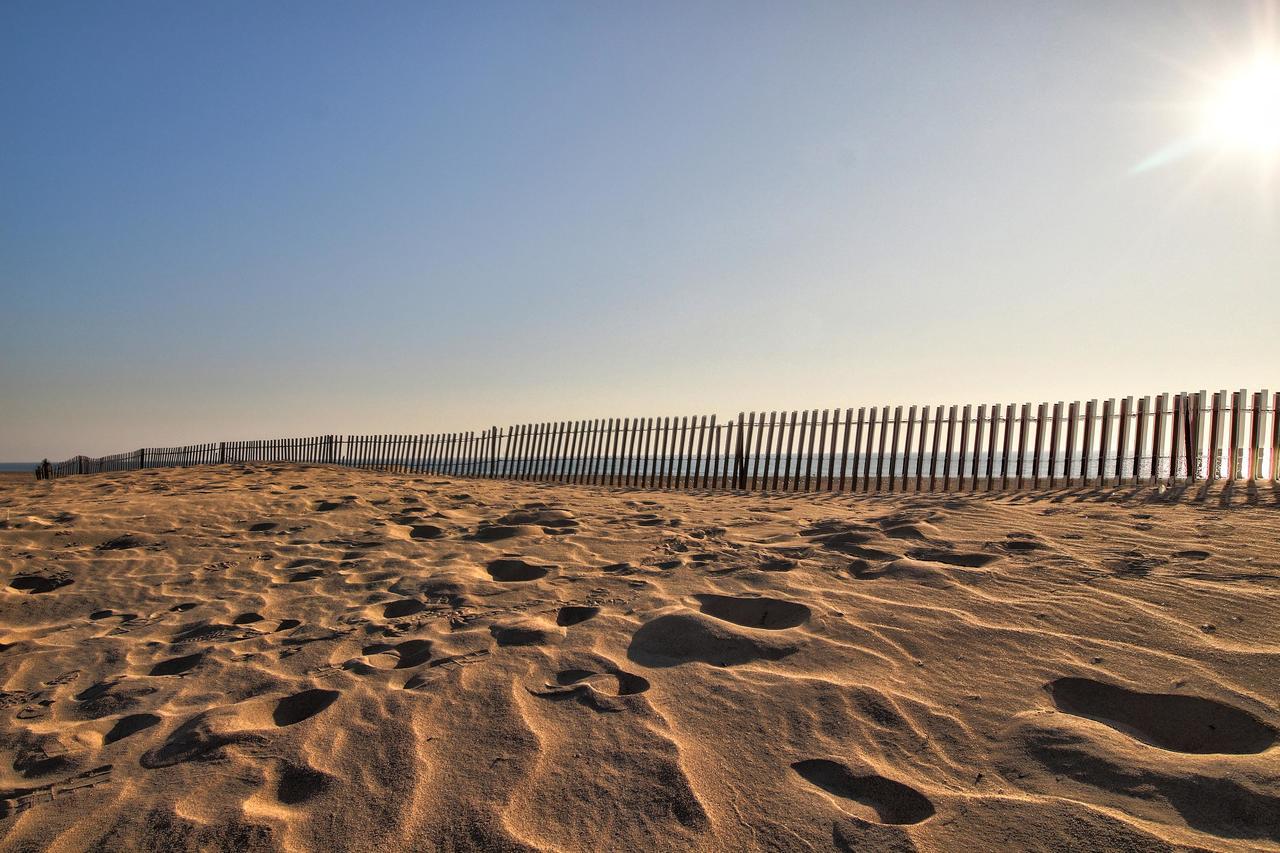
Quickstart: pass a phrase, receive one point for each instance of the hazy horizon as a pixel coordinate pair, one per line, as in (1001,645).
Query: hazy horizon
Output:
(240,222)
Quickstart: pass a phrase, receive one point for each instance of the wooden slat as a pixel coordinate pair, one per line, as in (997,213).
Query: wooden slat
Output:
(844,445)
(869,447)
(934,447)
(1005,445)
(651,451)
(1086,440)
(1020,465)
(664,461)
(695,452)
(979,425)
(1200,410)
(728,454)
(965,414)
(1274,463)
(906,448)
(739,453)
(1177,429)
(678,449)
(951,433)
(884,431)
(831,455)
(755,461)
(607,441)
(893,448)
(1140,436)
(762,464)
(1038,448)
(708,467)
(1255,434)
(794,484)
(921,443)
(1122,435)
(808,463)
(1157,435)
(1233,446)
(1215,437)
(786,468)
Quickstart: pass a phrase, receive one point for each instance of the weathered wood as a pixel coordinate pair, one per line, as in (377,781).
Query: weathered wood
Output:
(1233,440)
(728,454)
(808,462)
(965,414)
(1122,435)
(1256,434)
(1140,437)
(791,436)
(708,467)
(880,448)
(1157,435)
(906,448)
(794,485)
(870,447)
(893,448)
(755,462)
(924,430)
(1020,464)
(1215,437)
(1086,447)
(934,447)
(946,462)
(844,448)
(762,462)
(979,425)
(1038,447)
(1275,437)
(677,451)
(1175,434)
(831,456)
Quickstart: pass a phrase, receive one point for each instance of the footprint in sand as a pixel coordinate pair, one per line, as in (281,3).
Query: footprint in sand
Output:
(871,797)
(515,571)
(177,666)
(425,531)
(299,783)
(403,607)
(600,691)
(679,638)
(963,559)
(130,725)
(488,532)
(1178,723)
(19,800)
(405,655)
(303,706)
(441,667)
(770,613)
(38,584)
(574,614)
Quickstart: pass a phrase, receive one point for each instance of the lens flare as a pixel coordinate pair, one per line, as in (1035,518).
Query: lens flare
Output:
(1245,110)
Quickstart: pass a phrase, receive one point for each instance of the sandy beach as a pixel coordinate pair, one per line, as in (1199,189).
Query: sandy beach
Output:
(304,658)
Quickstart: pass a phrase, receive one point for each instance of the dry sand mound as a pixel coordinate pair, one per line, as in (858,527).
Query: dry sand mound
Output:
(289,658)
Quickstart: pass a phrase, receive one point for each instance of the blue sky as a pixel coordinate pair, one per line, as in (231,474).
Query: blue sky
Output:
(241,220)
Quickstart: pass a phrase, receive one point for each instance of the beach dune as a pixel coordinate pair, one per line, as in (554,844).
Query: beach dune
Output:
(307,658)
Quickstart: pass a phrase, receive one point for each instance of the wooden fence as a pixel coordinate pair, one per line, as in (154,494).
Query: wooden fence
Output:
(1188,437)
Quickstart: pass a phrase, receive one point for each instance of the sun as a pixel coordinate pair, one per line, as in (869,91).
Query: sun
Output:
(1244,109)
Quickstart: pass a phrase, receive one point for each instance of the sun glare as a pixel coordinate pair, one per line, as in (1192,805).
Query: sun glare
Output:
(1245,110)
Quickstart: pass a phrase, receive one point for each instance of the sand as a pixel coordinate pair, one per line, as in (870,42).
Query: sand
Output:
(293,658)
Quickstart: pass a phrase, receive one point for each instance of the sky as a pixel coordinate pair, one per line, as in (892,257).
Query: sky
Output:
(229,220)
